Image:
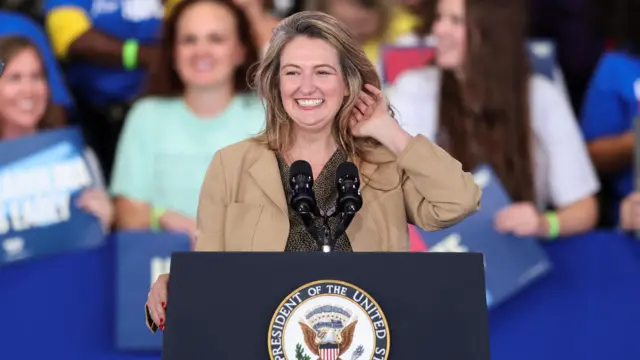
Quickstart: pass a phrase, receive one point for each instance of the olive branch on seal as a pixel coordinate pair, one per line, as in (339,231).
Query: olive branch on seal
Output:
(359,351)
(301,354)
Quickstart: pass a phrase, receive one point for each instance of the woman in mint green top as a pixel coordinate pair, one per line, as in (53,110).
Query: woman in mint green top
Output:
(198,102)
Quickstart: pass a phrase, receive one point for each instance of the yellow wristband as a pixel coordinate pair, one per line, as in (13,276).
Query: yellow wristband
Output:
(130,54)
(554,224)
(154,222)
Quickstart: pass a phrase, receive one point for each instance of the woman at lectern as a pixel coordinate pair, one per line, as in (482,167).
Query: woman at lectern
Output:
(323,106)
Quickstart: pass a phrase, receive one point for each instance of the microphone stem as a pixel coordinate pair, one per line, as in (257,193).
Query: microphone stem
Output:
(343,224)
(326,236)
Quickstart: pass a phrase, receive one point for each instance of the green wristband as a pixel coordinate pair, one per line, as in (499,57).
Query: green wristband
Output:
(154,222)
(554,224)
(130,54)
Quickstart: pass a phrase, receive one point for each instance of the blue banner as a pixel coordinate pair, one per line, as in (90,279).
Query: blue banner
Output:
(140,258)
(511,262)
(41,177)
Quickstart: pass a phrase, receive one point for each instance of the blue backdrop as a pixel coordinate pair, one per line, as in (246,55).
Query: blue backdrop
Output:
(63,307)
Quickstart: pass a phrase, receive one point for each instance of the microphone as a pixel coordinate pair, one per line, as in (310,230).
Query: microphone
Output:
(303,200)
(349,197)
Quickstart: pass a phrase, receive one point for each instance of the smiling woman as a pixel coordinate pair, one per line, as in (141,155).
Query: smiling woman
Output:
(25,109)
(484,105)
(198,102)
(24,93)
(323,107)
(311,82)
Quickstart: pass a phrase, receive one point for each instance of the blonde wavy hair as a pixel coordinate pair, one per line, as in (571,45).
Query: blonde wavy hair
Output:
(356,68)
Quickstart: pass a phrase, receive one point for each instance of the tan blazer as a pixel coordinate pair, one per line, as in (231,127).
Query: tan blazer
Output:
(243,206)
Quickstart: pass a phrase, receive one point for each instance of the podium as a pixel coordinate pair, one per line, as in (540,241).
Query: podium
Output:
(328,306)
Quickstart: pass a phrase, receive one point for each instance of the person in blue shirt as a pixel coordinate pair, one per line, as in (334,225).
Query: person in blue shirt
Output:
(609,109)
(15,24)
(107,47)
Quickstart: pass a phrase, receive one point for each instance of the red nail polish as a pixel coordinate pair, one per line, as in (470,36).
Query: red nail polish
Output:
(161,321)
(162,327)
(164,304)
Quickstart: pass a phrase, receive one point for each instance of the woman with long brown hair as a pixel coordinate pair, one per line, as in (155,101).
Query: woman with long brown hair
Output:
(482,104)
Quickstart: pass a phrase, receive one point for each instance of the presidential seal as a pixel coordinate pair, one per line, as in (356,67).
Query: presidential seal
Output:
(328,320)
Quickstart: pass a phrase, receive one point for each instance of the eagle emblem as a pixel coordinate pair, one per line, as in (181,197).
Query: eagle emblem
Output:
(328,331)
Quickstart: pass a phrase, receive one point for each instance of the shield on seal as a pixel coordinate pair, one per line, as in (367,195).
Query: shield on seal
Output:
(329,351)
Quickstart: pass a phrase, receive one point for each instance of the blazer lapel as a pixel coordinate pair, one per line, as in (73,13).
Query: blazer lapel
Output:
(266,174)
(360,234)
(367,168)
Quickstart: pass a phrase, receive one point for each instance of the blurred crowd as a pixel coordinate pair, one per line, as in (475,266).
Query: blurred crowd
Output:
(157,86)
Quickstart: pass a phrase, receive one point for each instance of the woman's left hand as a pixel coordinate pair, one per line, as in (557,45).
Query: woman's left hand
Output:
(370,117)
(520,219)
(97,202)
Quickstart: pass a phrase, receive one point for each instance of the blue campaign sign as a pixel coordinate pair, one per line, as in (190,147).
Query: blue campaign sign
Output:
(140,258)
(41,177)
(511,263)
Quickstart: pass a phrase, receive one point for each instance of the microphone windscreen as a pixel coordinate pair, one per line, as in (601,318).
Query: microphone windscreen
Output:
(300,167)
(348,169)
